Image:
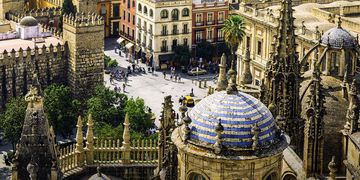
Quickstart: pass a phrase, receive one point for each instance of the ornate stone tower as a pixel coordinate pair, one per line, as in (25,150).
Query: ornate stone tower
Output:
(35,156)
(85,38)
(282,78)
(314,128)
(86,6)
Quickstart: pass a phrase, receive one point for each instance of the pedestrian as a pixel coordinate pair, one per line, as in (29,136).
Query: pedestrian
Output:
(124,85)
(175,77)
(115,89)
(179,77)
(133,66)
(111,78)
(164,73)
(153,69)
(181,99)
(126,80)
(170,77)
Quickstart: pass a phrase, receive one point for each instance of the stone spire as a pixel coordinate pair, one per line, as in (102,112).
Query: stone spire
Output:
(219,128)
(79,142)
(126,140)
(35,142)
(282,77)
(246,77)
(222,82)
(314,127)
(186,121)
(231,88)
(90,141)
(352,114)
(255,130)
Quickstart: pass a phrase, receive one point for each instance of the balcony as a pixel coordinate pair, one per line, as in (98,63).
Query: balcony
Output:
(199,23)
(164,49)
(210,22)
(220,21)
(164,32)
(138,26)
(175,31)
(127,36)
(209,40)
(150,31)
(185,31)
(199,40)
(149,47)
(143,45)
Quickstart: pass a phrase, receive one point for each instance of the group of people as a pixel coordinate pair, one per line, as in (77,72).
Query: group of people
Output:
(118,75)
(177,77)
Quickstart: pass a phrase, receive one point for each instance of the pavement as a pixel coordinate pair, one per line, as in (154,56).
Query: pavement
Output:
(152,87)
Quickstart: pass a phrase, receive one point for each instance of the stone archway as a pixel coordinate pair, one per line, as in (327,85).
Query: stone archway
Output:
(271,176)
(289,177)
(196,176)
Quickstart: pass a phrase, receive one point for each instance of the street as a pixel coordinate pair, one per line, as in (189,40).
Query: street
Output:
(152,87)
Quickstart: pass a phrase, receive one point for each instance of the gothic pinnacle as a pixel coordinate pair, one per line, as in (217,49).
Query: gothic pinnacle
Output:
(222,81)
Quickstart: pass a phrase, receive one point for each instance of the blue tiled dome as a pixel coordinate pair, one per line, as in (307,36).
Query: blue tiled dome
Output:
(239,113)
(338,37)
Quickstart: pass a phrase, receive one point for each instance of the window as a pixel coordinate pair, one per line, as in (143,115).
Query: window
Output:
(221,17)
(151,13)
(139,8)
(150,44)
(133,33)
(150,28)
(124,15)
(103,9)
(145,25)
(210,18)
(163,46)
(175,14)
(185,41)
(199,20)
(128,17)
(209,34)
(128,4)
(145,10)
(128,31)
(185,12)
(144,40)
(133,4)
(220,35)
(133,20)
(174,43)
(139,23)
(116,10)
(248,42)
(198,36)
(164,14)
(175,29)
(123,28)
(164,30)
(185,29)
(259,48)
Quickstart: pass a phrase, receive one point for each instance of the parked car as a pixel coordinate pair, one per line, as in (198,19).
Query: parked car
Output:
(189,101)
(196,71)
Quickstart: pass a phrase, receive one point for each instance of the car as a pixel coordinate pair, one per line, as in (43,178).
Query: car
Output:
(196,71)
(189,101)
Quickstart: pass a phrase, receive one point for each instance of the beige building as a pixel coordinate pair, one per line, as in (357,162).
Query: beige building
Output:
(162,25)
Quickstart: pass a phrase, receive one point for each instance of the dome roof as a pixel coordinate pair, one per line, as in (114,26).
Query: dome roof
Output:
(28,21)
(240,115)
(338,37)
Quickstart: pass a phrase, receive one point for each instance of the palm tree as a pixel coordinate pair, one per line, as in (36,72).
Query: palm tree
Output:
(234,31)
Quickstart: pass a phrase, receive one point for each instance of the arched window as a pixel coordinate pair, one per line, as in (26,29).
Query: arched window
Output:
(196,176)
(145,10)
(139,8)
(175,14)
(133,4)
(164,14)
(151,13)
(289,177)
(185,12)
(271,176)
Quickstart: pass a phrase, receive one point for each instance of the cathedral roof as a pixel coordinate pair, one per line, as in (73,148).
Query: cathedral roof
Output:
(338,37)
(239,113)
(28,21)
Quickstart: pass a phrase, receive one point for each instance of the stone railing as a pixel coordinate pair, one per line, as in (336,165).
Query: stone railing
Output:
(67,158)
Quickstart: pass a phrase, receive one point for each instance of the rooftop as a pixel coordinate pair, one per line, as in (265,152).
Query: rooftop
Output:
(16,44)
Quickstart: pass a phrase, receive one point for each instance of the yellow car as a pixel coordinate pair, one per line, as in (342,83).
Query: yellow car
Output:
(189,101)
(196,71)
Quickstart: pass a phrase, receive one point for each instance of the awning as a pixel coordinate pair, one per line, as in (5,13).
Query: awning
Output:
(137,48)
(166,57)
(129,45)
(120,40)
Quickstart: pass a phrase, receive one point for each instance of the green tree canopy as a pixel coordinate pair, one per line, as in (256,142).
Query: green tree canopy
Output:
(234,32)
(107,131)
(205,50)
(139,115)
(107,106)
(182,54)
(61,109)
(68,7)
(12,119)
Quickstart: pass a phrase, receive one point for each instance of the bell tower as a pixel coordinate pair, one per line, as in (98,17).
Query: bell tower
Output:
(7,6)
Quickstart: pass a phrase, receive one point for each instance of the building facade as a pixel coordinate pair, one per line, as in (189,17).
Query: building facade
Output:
(128,19)
(208,19)
(161,26)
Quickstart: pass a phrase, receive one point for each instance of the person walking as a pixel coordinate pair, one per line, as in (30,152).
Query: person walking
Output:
(164,73)
(124,85)
(179,78)
(171,77)
(111,78)
(126,79)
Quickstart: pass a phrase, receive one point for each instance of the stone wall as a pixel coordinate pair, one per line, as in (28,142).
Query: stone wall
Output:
(16,69)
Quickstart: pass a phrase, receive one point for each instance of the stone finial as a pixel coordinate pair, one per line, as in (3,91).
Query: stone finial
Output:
(255,130)
(222,81)
(79,135)
(126,140)
(263,91)
(332,168)
(187,121)
(246,77)
(90,141)
(339,22)
(231,88)
(182,110)
(33,97)
(352,114)
(219,128)
(98,171)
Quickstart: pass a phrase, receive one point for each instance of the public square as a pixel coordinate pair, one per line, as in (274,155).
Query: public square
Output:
(152,87)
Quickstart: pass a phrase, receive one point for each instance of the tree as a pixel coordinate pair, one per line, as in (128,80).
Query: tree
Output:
(223,48)
(61,109)
(139,115)
(107,131)
(182,54)
(107,106)
(234,31)
(205,50)
(67,8)
(12,119)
